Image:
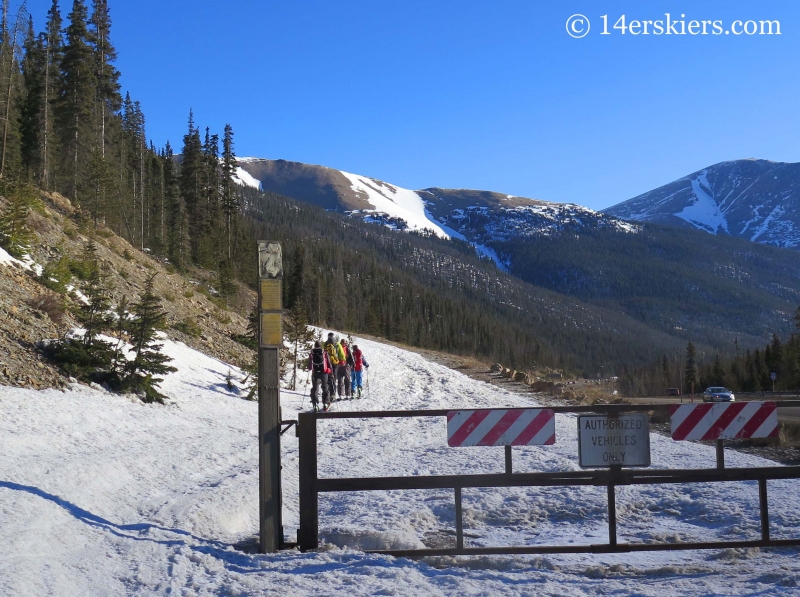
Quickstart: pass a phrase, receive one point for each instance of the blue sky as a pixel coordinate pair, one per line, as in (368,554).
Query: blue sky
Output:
(488,95)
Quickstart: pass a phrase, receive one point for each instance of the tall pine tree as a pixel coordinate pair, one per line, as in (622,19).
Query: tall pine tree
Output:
(77,99)
(108,100)
(53,43)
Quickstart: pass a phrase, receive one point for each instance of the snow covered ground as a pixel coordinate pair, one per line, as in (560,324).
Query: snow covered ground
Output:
(101,495)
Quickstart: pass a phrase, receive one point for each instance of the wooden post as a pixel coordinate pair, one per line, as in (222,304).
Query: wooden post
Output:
(270,338)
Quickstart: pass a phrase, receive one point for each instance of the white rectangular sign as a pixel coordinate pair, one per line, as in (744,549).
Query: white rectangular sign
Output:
(605,441)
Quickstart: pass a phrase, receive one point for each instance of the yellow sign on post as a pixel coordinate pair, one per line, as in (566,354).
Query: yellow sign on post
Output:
(271,295)
(271,329)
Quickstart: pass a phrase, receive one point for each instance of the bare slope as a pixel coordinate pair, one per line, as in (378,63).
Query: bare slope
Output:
(30,312)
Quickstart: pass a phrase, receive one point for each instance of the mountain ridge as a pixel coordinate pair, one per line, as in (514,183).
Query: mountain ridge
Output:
(755,199)
(752,198)
(476,216)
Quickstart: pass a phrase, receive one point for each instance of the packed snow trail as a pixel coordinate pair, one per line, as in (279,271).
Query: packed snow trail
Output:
(101,495)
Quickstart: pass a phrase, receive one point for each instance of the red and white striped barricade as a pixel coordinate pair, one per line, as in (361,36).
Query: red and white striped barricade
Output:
(734,420)
(501,427)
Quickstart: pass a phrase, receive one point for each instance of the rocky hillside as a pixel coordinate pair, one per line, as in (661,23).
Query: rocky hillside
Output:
(753,199)
(30,311)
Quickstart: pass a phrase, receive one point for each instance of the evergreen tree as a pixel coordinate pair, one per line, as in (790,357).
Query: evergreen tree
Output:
(120,329)
(77,99)
(690,368)
(191,184)
(97,186)
(33,70)
(134,147)
(11,50)
(226,279)
(175,206)
(53,44)
(15,235)
(106,75)
(210,235)
(230,205)
(718,373)
(299,335)
(148,359)
(88,357)
(95,314)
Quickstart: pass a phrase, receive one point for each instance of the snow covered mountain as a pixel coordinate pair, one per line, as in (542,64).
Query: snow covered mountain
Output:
(478,217)
(753,199)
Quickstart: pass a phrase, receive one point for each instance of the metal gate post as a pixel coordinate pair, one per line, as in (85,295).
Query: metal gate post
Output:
(459,521)
(764,505)
(308,534)
(509,467)
(612,514)
(720,454)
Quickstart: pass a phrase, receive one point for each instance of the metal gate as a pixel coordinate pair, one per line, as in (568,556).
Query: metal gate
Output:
(311,486)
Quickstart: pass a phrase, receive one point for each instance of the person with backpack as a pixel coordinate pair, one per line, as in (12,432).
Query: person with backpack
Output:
(320,368)
(359,364)
(343,370)
(333,359)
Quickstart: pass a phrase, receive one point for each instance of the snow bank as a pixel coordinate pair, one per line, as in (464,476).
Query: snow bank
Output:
(25,263)
(102,495)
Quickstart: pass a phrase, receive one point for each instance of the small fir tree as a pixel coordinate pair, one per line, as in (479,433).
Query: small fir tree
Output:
(299,336)
(15,235)
(148,359)
(88,357)
(95,314)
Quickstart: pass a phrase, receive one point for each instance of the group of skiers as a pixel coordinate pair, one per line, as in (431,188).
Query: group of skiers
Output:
(337,369)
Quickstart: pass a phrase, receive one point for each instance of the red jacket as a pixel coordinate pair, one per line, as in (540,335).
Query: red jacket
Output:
(359,362)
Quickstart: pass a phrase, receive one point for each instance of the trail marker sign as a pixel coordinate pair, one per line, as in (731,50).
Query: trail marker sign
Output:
(605,441)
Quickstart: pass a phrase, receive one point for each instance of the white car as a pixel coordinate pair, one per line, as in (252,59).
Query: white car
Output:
(718,395)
